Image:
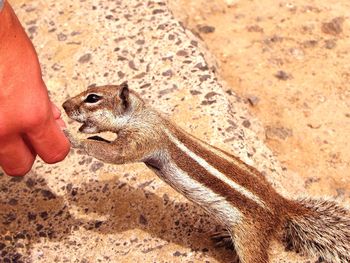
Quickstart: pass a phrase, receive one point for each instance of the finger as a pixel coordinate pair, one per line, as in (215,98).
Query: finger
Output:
(57,115)
(61,123)
(49,142)
(16,158)
(56,111)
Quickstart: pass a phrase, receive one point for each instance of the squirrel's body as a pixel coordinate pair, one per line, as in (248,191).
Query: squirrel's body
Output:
(234,193)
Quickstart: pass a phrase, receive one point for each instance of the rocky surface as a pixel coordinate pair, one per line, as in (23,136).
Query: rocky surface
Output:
(82,210)
(290,61)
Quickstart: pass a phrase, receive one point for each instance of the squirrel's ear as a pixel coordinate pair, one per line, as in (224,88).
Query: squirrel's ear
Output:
(124,95)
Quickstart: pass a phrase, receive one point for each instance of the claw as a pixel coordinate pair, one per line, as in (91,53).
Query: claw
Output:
(73,141)
(223,239)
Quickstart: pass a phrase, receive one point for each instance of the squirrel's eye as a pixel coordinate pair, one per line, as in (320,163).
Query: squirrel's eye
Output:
(92,98)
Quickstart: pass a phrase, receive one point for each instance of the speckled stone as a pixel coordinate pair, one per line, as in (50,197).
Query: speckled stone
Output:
(82,210)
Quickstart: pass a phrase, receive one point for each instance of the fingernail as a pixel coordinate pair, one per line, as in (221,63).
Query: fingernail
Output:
(61,123)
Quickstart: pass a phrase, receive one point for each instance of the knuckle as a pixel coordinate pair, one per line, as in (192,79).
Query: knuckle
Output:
(34,121)
(37,118)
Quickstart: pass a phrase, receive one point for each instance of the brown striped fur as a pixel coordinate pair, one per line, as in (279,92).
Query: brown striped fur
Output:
(234,193)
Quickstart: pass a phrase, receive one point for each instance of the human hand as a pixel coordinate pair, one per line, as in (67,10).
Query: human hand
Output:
(29,122)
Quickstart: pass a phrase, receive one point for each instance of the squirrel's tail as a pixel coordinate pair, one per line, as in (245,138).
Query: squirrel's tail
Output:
(322,230)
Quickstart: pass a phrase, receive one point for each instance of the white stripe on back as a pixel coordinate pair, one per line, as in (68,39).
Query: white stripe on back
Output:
(212,170)
(237,162)
(215,204)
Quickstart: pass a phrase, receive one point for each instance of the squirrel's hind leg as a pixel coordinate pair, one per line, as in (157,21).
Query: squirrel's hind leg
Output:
(223,239)
(249,247)
(251,244)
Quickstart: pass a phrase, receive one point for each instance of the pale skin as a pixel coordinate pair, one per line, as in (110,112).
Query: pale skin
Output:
(30,124)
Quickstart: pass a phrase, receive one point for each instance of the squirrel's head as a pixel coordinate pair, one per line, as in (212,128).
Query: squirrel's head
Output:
(104,108)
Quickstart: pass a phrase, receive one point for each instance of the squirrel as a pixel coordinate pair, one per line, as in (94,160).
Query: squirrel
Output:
(237,195)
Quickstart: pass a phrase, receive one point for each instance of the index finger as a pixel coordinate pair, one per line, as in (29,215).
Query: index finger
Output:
(49,142)
(55,111)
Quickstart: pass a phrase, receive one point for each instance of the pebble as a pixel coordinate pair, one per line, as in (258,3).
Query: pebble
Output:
(330,43)
(95,166)
(282,75)
(310,43)
(85,58)
(274,132)
(143,220)
(61,37)
(246,123)
(253,100)
(297,53)
(231,3)
(334,27)
(255,28)
(205,29)
(314,126)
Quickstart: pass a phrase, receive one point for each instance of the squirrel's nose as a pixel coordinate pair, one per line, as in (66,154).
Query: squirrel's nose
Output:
(67,105)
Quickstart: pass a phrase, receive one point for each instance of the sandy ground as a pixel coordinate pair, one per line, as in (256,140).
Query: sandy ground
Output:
(290,61)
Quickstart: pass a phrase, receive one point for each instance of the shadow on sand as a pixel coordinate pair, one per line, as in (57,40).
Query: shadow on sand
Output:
(30,211)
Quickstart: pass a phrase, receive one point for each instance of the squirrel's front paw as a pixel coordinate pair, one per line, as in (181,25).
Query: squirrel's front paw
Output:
(73,141)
